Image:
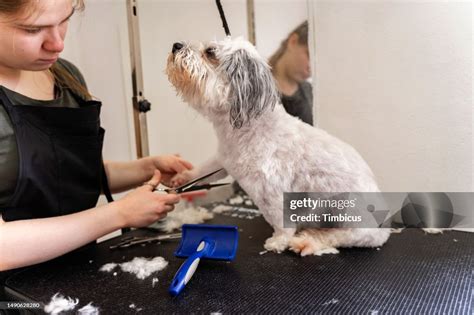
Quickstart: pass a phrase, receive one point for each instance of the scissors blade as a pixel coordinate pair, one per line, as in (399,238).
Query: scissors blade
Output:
(202,187)
(186,186)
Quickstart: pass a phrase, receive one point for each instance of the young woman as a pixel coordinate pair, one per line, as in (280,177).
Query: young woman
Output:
(51,165)
(291,68)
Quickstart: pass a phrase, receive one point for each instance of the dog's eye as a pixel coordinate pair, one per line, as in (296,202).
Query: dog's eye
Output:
(210,52)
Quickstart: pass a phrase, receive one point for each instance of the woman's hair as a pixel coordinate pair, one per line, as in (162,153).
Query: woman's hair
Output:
(61,75)
(301,31)
(17,7)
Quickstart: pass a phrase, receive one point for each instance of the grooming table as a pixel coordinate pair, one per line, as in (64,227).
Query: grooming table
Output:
(412,273)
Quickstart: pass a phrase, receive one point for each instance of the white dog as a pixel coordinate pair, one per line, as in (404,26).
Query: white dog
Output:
(265,149)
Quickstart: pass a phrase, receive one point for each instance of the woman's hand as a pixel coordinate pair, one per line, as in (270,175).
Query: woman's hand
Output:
(169,166)
(143,207)
(127,175)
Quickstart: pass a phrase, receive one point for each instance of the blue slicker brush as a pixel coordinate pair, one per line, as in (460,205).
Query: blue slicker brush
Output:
(201,241)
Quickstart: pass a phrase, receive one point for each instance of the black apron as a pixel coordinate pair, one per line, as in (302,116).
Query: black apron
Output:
(60,162)
(60,159)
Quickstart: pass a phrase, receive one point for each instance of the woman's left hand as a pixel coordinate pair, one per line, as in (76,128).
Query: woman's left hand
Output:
(169,166)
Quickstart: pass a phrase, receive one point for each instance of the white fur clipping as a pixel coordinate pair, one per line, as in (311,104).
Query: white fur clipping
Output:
(140,266)
(191,215)
(333,301)
(236,200)
(89,309)
(222,208)
(133,306)
(143,267)
(60,304)
(108,267)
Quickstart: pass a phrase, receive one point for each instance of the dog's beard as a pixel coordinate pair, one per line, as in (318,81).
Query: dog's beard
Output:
(188,86)
(182,80)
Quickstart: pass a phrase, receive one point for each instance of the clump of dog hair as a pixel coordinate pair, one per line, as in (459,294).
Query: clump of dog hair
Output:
(140,266)
(191,215)
(60,304)
(108,267)
(222,209)
(88,309)
(133,306)
(333,301)
(236,200)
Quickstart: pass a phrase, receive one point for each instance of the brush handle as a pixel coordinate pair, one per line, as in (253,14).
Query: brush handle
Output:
(188,268)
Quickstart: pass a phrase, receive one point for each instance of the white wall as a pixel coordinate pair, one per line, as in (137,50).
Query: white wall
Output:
(394,79)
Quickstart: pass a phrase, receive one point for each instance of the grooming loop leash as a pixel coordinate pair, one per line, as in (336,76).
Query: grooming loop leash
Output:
(224,21)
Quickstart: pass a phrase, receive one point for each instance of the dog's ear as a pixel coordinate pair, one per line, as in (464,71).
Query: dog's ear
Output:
(252,87)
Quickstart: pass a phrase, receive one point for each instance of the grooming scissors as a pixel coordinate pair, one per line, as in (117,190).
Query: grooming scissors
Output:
(130,241)
(192,185)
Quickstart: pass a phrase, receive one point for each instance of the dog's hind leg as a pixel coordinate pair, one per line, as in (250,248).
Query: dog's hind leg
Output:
(311,243)
(326,241)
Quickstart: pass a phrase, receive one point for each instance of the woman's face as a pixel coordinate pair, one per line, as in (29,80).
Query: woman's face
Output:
(299,66)
(33,42)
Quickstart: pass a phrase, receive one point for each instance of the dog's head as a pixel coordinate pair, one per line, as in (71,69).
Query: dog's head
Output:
(223,78)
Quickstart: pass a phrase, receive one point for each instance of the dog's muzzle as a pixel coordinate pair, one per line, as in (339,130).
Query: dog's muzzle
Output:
(176,47)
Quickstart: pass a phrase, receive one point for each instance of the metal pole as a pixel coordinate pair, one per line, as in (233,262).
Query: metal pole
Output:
(140,104)
(251,21)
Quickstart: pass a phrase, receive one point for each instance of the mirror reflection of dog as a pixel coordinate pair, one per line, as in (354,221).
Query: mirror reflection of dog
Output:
(264,148)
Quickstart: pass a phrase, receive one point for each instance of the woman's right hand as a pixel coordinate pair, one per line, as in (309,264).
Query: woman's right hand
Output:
(143,207)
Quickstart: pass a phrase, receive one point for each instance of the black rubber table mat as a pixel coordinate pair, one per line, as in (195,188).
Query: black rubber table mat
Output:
(413,273)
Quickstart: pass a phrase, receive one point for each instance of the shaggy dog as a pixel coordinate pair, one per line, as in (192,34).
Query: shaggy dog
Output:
(265,149)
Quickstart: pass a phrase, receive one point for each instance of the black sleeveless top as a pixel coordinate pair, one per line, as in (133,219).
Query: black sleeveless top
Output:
(60,169)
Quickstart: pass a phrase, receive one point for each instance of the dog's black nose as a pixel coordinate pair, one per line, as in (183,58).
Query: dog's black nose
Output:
(176,47)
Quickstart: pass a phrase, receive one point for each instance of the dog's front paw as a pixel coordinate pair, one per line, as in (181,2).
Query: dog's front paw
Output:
(181,178)
(277,243)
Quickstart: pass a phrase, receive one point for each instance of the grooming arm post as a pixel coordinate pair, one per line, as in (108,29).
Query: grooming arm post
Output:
(140,104)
